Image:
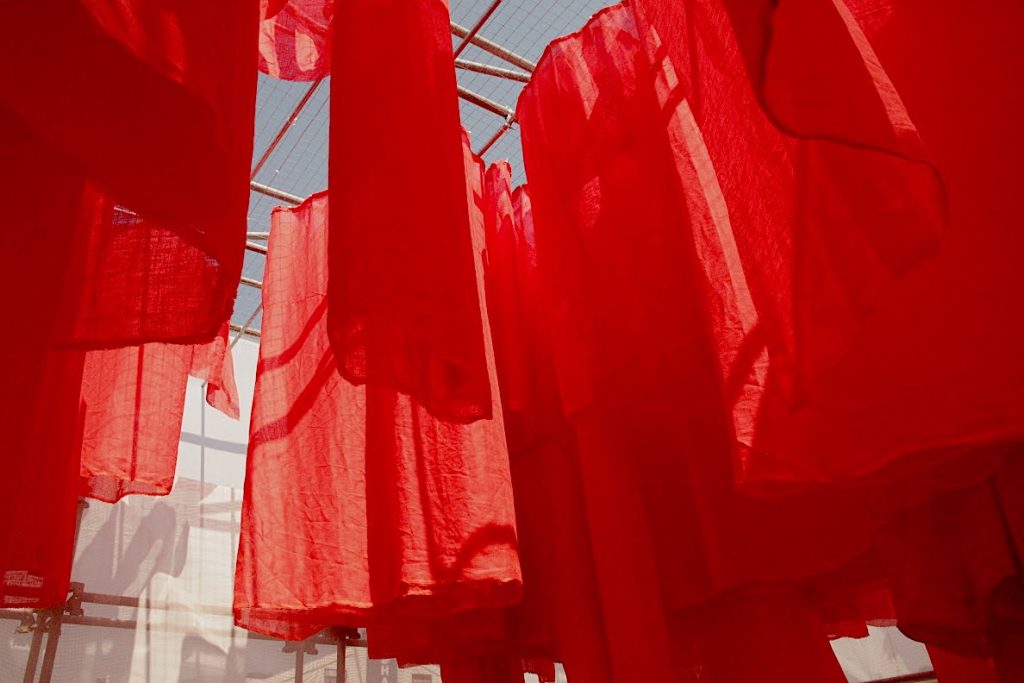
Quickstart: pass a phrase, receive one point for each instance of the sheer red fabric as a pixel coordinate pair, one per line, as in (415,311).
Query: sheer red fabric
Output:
(936,371)
(404,313)
(152,104)
(360,506)
(560,614)
(39,410)
(104,104)
(954,563)
(132,404)
(678,552)
(295,39)
(803,219)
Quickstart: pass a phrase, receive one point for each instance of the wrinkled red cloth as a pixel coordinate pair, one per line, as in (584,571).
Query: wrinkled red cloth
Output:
(799,236)
(560,615)
(360,507)
(954,565)
(936,370)
(403,310)
(126,129)
(295,39)
(633,328)
(152,104)
(132,404)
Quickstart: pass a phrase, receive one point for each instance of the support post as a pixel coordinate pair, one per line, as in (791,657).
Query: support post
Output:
(33,651)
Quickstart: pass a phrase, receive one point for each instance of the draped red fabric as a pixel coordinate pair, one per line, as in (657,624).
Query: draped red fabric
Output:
(404,313)
(936,371)
(39,410)
(954,564)
(560,613)
(360,506)
(295,39)
(803,220)
(126,132)
(152,104)
(678,552)
(132,404)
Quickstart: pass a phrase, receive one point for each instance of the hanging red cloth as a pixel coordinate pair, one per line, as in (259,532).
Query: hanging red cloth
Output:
(152,104)
(803,216)
(954,563)
(361,507)
(936,372)
(559,617)
(149,107)
(295,39)
(632,326)
(404,313)
(132,404)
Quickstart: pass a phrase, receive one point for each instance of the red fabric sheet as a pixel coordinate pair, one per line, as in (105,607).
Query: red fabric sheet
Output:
(404,313)
(954,566)
(295,39)
(936,370)
(802,220)
(560,615)
(144,105)
(132,404)
(152,104)
(683,561)
(360,506)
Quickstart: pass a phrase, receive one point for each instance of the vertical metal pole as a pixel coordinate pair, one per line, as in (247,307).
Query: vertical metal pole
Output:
(52,640)
(342,656)
(33,652)
(300,654)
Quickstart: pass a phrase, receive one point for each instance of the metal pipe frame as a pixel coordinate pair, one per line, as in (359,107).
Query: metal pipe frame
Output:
(320,639)
(476,28)
(488,70)
(494,49)
(289,122)
(286,197)
(485,103)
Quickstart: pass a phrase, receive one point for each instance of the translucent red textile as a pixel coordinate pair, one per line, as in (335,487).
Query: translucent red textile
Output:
(295,39)
(632,328)
(404,313)
(132,405)
(954,565)
(560,614)
(105,103)
(936,371)
(360,507)
(799,229)
(151,103)
(39,408)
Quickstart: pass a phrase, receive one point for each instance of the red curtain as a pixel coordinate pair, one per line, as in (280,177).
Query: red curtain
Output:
(361,507)
(132,404)
(404,312)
